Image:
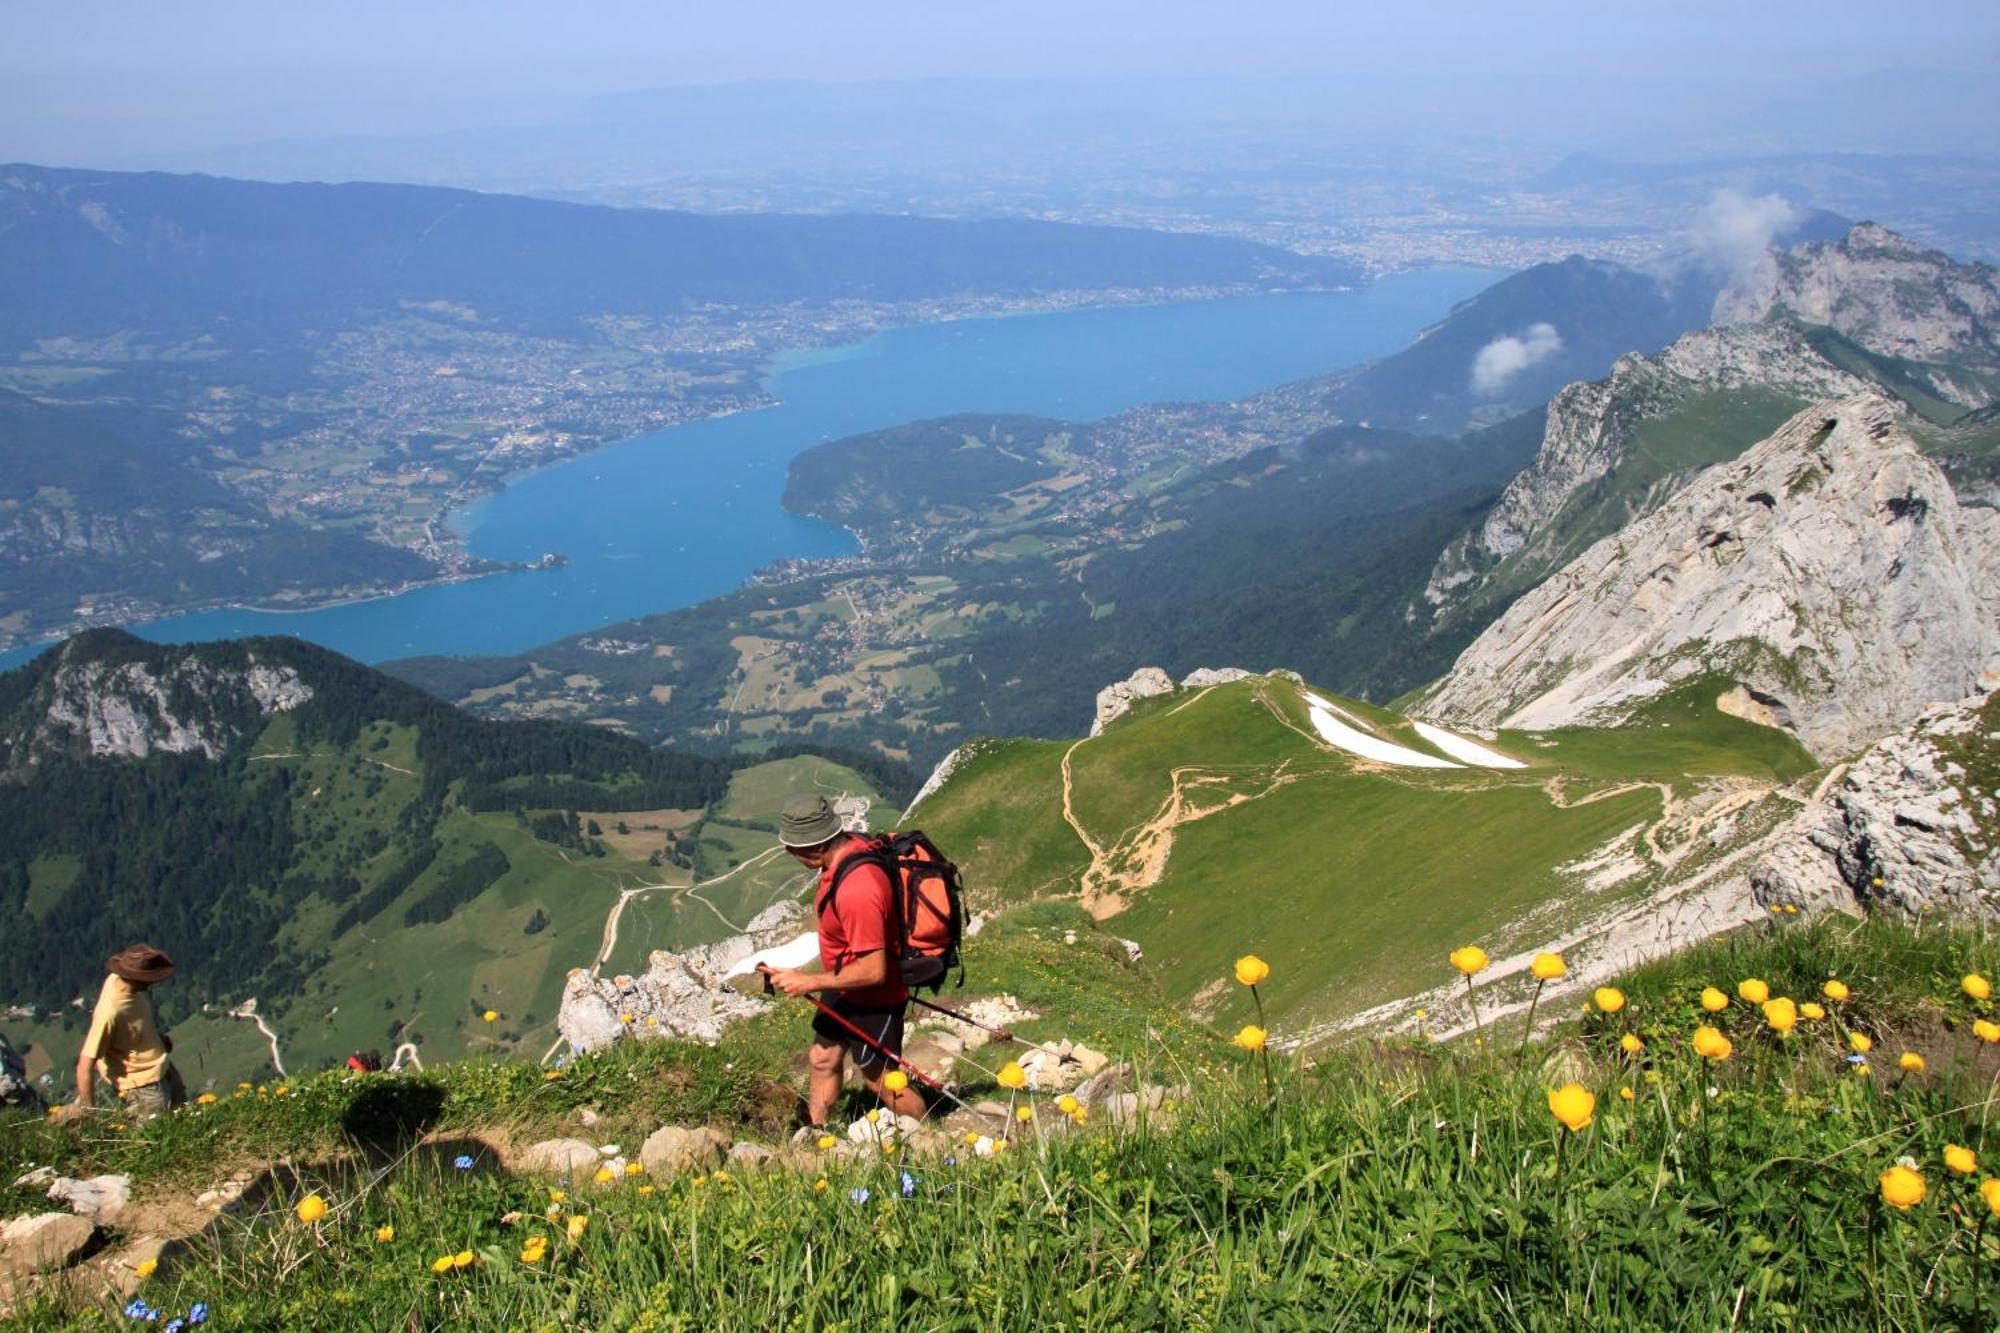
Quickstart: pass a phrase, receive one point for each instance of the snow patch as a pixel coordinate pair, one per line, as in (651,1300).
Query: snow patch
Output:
(1327,721)
(1465,751)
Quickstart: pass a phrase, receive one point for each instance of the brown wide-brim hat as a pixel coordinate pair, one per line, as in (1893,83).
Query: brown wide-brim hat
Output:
(141,963)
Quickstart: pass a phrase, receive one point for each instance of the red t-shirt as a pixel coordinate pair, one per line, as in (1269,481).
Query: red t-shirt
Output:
(860,920)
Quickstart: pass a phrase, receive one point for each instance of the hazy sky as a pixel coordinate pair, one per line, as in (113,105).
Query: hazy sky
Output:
(87,79)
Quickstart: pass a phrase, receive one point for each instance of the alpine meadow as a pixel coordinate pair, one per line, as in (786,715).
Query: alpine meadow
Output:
(1084,667)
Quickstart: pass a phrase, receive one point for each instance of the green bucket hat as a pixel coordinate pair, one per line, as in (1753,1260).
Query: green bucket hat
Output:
(807,821)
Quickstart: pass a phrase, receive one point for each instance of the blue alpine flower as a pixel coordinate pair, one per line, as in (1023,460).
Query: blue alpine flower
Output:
(859,1194)
(462,1162)
(910,1184)
(199,1314)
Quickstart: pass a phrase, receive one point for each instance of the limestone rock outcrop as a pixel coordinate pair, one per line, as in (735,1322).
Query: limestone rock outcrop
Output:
(678,995)
(1116,700)
(1888,294)
(117,706)
(1908,828)
(1829,571)
(1591,426)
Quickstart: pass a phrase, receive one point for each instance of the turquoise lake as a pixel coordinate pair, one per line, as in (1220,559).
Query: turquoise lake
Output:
(668,519)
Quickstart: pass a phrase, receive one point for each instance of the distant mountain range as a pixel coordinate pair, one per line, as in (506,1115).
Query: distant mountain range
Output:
(91,253)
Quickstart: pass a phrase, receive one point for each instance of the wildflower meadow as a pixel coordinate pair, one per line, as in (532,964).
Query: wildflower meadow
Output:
(1782,1129)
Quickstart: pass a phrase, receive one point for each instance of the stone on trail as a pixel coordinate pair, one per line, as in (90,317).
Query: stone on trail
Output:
(47,1240)
(100,1198)
(1061,1067)
(671,1150)
(558,1157)
(123,1271)
(750,1157)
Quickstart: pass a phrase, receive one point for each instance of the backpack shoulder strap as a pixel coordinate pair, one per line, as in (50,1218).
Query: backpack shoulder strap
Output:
(875,852)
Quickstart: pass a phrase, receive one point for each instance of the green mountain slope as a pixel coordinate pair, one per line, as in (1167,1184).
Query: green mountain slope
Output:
(371,865)
(1210,822)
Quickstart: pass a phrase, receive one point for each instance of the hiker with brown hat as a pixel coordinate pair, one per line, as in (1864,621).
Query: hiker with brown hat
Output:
(124,1045)
(860,948)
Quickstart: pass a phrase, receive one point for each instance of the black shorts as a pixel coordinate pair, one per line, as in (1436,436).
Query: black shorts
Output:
(883,1026)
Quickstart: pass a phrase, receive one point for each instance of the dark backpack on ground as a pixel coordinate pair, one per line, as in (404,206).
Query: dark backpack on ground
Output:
(930,903)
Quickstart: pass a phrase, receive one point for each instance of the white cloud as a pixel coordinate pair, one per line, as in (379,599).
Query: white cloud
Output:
(1504,358)
(1732,237)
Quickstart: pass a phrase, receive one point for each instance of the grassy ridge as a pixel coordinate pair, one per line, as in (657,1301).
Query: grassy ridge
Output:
(1396,1186)
(1339,872)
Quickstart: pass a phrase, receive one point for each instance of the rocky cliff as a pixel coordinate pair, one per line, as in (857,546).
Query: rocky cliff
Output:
(1591,429)
(1887,294)
(99,702)
(1909,827)
(1823,320)
(1829,574)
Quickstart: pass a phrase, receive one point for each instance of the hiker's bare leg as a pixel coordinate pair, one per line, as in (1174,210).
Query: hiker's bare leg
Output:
(908,1102)
(826,1063)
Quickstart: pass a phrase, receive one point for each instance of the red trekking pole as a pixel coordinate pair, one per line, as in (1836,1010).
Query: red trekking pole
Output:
(877,1046)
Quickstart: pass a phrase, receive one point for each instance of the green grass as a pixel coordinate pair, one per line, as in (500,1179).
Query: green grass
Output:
(1391,1186)
(757,794)
(49,878)
(1342,876)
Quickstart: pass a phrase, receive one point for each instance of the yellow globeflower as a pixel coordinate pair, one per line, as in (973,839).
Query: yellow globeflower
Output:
(1252,970)
(635,1168)
(1910,1062)
(1470,959)
(1961,1159)
(1012,1076)
(1781,1014)
(1835,990)
(605,1175)
(206,1099)
(1812,1011)
(1709,1042)
(1989,1190)
(1861,1042)
(384,1234)
(1985,1029)
(441,1264)
(827,1141)
(1978,987)
(1753,991)
(578,1224)
(1024,1113)
(145,1268)
(491,1015)
(1572,1104)
(1630,1043)
(464,1259)
(1548,966)
(1627,1094)
(1252,1037)
(1902,1187)
(1608,998)
(311,1208)
(1714,1000)
(1068,1105)
(895,1080)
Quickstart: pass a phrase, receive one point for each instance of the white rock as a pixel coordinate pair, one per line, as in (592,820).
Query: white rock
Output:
(47,1240)
(1829,571)
(99,1198)
(1114,701)
(671,1149)
(558,1157)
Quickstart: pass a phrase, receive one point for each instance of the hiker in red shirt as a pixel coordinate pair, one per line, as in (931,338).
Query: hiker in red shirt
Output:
(860,947)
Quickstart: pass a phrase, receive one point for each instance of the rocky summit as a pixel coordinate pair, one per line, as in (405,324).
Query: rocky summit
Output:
(1829,572)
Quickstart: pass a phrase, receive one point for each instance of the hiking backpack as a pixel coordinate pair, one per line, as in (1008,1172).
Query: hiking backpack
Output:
(930,903)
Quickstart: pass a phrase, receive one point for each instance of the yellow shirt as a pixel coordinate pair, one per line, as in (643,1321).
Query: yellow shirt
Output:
(123,1040)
